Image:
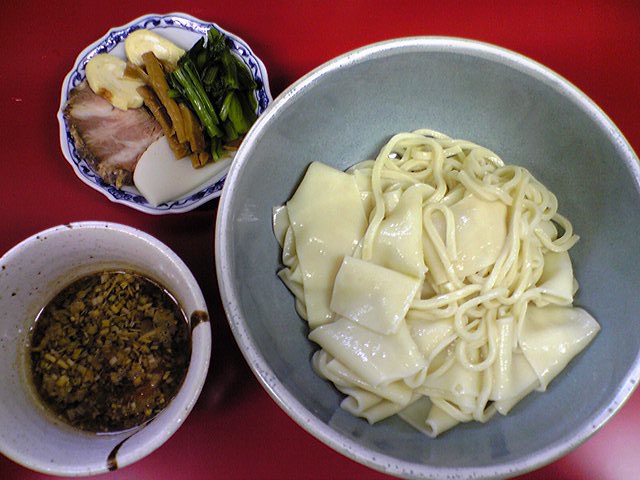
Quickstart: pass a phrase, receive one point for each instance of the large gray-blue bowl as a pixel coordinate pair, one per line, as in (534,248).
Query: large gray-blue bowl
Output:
(343,112)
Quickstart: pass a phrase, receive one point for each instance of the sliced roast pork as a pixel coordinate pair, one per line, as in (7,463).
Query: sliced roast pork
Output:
(109,139)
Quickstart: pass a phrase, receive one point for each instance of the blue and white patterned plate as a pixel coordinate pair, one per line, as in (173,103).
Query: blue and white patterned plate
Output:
(184,30)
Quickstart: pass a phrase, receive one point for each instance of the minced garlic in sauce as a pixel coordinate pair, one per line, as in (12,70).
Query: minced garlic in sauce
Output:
(109,351)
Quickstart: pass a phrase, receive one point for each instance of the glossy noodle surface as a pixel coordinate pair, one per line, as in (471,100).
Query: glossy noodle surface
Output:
(435,279)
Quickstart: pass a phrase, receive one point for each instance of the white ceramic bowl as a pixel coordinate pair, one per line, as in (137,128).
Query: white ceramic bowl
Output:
(31,273)
(184,30)
(342,113)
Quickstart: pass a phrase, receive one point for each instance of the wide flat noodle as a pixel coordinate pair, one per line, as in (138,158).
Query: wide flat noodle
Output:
(432,336)
(398,245)
(328,220)
(373,296)
(480,232)
(551,336)
(334,371)
(377,359)
(513,377)
(281,223)
(556,284)
(520,380)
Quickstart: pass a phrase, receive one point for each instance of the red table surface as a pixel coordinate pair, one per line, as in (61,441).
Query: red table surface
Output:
(236,430)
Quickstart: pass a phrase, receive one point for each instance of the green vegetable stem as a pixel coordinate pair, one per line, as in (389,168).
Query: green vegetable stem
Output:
(218,87)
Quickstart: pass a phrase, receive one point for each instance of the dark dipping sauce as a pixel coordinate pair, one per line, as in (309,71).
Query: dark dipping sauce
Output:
(110,351)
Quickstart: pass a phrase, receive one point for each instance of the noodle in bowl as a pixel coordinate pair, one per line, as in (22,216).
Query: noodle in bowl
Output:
(453,301)
(567,171)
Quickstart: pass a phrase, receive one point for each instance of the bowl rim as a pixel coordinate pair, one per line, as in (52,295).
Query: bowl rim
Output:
(185,398)
(258,363)
(114,36)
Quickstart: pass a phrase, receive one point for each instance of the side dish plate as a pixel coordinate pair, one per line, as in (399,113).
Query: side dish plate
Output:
(184,30)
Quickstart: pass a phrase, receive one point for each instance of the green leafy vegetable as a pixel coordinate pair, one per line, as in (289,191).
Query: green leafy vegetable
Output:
(219,88)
